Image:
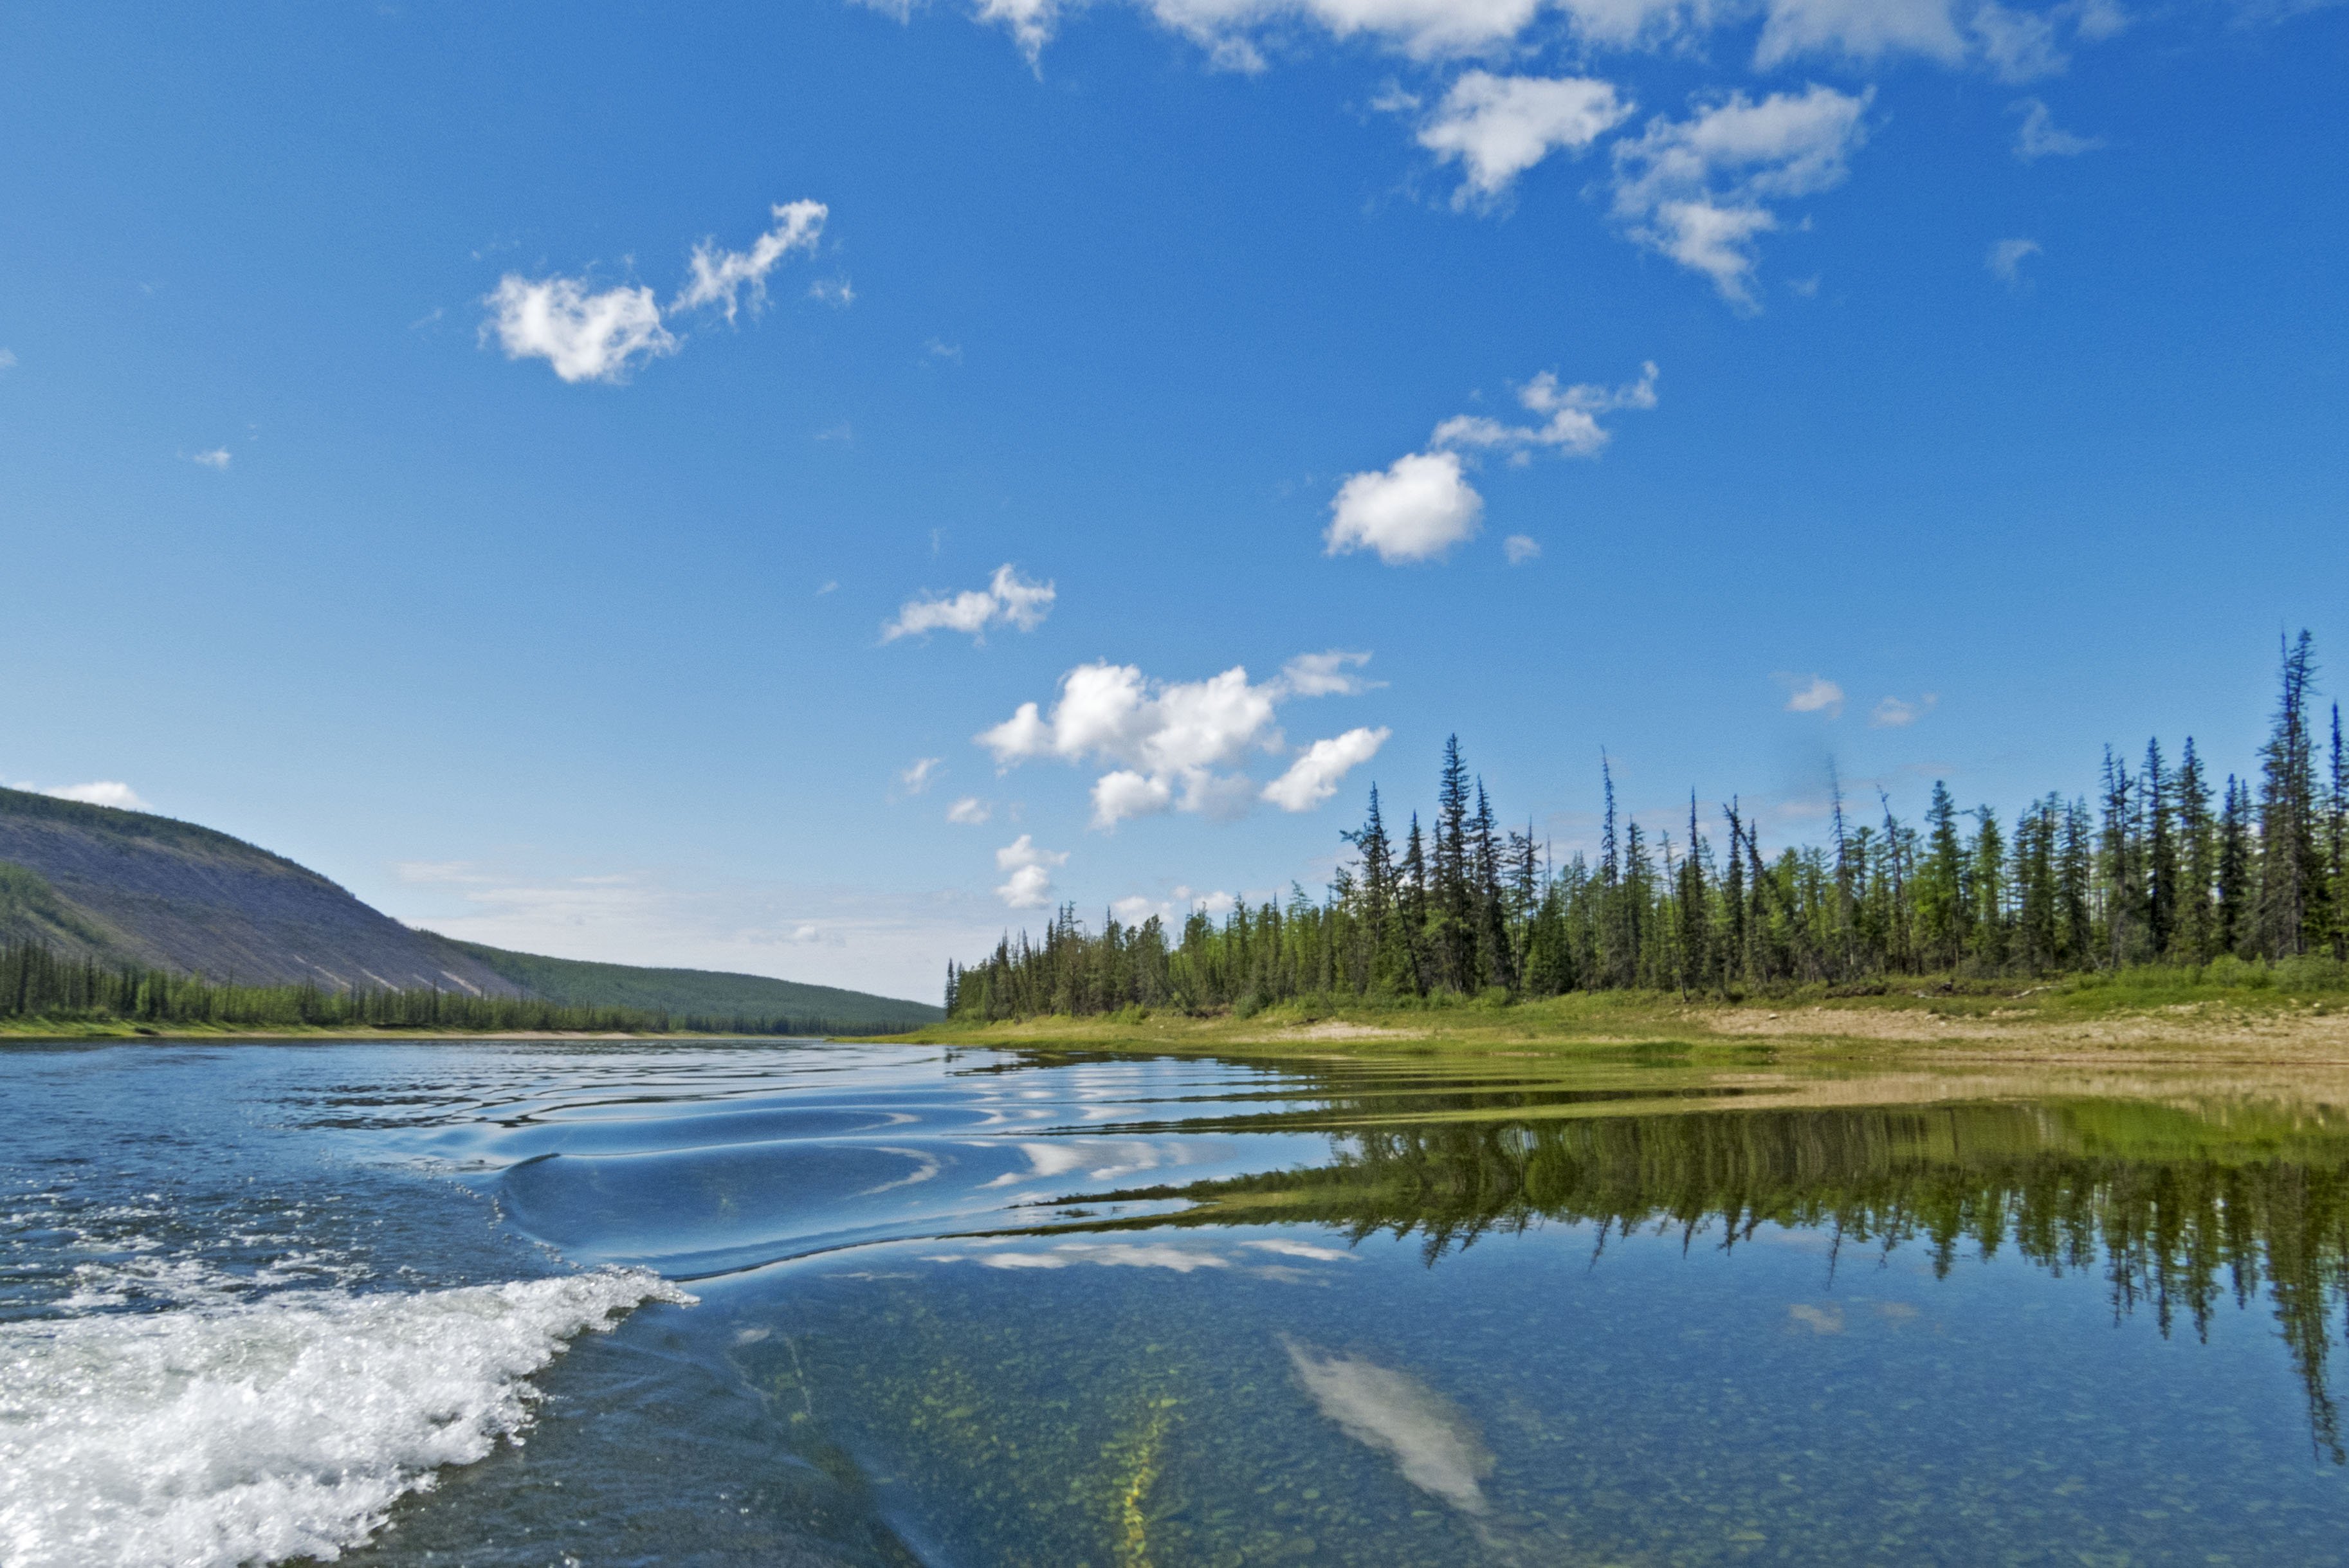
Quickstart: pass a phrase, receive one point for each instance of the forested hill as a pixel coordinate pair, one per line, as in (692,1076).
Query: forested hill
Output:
(128,889)
(125,887)
(575,983)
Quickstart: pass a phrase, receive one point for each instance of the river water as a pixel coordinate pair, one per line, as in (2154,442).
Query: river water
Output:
(794,1302)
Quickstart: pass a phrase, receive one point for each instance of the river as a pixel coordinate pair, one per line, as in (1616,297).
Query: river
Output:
(557,1304)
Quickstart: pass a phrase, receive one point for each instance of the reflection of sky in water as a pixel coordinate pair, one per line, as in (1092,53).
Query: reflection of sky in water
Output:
(958,1307)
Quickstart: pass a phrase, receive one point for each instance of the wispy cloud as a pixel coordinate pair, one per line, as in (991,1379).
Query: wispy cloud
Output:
(218,459)
(1898,713)
(2005,259)
(921,774)
(1521,547)
(2038,137)
(969,812)
(720,276)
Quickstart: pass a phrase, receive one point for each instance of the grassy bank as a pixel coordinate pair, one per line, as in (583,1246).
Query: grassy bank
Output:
(2227,1010)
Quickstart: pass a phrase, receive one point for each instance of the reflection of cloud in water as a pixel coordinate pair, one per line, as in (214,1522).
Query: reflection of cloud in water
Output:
(1043,1160)
(1828,1319)
(1301,1250)
(1109,1254)
(927,1167)
(1430,1438)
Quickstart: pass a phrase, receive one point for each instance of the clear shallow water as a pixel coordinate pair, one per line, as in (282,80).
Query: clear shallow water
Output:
(544,1303)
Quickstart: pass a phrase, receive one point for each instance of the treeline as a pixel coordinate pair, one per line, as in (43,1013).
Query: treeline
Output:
(2165,865)
(37,983)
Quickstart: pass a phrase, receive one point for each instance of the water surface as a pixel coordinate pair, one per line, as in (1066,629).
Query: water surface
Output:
(535,1304)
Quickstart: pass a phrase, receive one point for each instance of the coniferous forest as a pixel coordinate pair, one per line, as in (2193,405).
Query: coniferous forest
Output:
(2165,864)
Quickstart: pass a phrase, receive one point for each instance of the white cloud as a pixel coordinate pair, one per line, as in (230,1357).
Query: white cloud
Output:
(2018,45)
(2038,137)
(1496,128)
(1424,29)
(1859,30)
(835,292)
(1430,1440)
(1168,744)
(1031,883)
(1818,695)
(217,459)
(921,774)
(585,336)
(1327,675)
(969,812)
(1313,778)
(936,349)
(7,360)
(1572,416)
(1521,547)
(1124,794)
(719,275)
(1414,511)
(1698,190)
(1135,909)
(2005,259)
(1007,598)
(1894,713)
(101,792)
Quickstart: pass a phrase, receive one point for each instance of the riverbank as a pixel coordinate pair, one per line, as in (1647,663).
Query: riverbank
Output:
(2161,1018)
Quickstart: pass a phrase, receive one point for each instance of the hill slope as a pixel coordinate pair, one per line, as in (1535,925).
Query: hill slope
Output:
(114,885)
(92,882)
(703,991)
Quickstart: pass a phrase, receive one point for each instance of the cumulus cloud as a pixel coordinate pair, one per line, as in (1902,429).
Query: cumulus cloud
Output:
(1818,695)
(1168,746)
(1699,190)
(1416,509)
(1314,777)
(585,336)
(1496,128)
(1521,547)
(2038,135)
(969,812)
(1570,417)
(1896,713)
(921,774)
(1030,869)
(720,276)
(2005,259)
(1009,599)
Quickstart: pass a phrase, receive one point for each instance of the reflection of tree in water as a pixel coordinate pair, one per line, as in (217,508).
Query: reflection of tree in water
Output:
(2178,1210)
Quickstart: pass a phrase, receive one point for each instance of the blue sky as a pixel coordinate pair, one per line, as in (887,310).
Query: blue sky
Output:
(1935,389)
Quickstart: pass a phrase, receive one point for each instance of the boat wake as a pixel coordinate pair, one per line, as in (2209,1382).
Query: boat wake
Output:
(254,1430)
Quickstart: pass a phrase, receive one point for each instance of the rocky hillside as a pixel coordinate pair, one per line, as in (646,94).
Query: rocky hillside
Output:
(91,880)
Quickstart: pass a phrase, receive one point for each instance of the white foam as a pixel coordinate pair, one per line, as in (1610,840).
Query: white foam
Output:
(276,1427)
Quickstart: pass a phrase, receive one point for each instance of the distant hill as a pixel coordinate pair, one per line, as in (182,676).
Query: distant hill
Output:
(701,991)
(93,882)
